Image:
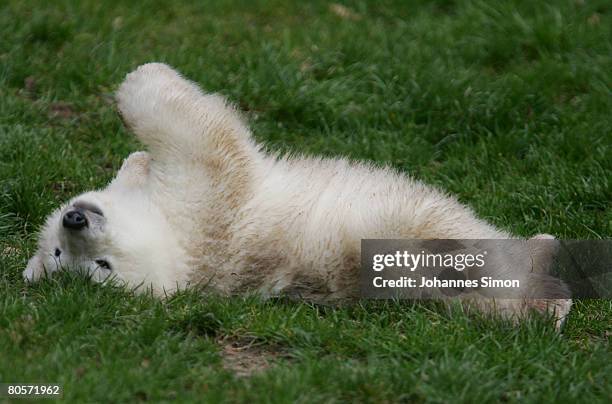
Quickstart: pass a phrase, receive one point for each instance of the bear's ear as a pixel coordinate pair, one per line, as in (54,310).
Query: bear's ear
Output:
(35,269)
(134,171)
(543,248)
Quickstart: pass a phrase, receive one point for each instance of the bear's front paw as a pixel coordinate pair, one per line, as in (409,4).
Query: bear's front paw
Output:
(134,170)
(147,96)
(137,162)
(150,76)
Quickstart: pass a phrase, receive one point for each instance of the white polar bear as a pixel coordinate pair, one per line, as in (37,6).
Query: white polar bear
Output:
(206,204)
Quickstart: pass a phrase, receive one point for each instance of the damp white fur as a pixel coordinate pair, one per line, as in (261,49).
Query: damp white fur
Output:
(205,204)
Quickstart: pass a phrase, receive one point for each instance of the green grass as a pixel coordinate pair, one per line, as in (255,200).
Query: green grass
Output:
(506,104)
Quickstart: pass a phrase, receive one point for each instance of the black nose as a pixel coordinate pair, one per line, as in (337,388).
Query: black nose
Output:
(74,219)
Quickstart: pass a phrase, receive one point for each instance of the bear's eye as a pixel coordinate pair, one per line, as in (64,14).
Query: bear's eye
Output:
(57,252)
(104,264)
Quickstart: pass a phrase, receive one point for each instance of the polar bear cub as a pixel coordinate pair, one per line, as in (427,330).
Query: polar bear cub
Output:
(206,204)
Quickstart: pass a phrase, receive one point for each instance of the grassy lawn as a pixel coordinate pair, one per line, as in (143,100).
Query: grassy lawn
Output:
(506,104)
